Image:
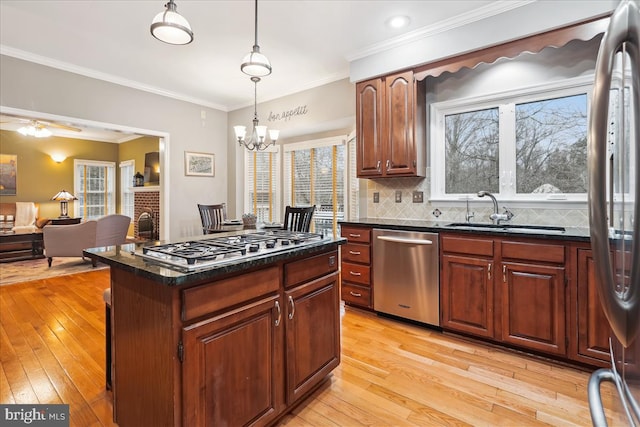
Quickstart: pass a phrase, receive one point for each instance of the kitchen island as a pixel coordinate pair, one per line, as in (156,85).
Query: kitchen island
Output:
(237,343)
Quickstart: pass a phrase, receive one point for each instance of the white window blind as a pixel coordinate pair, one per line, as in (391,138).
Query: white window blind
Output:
(94,186)
(261,189)
(315,173)
(126,181)
(353,199)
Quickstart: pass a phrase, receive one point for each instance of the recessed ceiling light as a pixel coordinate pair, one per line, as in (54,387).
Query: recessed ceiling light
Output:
(398,21)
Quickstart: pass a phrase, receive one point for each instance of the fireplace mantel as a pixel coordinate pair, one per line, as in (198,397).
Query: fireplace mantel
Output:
(145,188)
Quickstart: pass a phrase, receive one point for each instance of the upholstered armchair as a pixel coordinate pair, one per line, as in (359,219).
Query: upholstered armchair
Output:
(71,240)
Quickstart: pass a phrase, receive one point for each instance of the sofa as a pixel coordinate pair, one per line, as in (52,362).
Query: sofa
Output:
(34,221)
(71,240)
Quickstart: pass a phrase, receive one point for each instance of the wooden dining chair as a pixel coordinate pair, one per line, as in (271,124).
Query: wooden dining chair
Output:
(212,216)
(298,218)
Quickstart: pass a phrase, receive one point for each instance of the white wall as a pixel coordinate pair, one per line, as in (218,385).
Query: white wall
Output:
(29,86)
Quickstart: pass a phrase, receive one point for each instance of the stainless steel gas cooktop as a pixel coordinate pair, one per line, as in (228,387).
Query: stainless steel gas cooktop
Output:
(206,253)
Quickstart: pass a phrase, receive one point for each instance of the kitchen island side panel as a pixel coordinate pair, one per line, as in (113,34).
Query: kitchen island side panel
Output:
(147,371)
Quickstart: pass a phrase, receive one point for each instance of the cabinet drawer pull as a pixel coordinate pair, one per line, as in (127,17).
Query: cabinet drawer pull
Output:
(293,308)
(355,252)
(354,235)
(504,273)
(279,314)
(489,271)
(355,294)
(355,273)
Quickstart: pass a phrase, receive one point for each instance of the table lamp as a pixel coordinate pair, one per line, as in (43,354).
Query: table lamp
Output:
(64,196)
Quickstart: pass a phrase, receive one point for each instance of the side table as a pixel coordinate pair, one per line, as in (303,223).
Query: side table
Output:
(65,221)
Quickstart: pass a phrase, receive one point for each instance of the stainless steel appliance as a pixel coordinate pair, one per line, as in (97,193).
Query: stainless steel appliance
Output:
(406,275)
(614,206)
(195,255)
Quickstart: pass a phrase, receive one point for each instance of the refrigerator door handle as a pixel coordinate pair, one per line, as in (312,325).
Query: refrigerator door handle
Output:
(623,32)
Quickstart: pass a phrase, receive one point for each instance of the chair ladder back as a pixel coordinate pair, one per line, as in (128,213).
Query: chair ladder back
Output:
(298,218)
(212,215)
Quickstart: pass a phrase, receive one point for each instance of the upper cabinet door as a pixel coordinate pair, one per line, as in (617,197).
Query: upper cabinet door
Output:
(390,115)
(400,145)
(369,119)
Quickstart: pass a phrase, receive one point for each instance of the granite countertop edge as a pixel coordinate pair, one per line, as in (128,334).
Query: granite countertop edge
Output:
(579,234)
(124,258)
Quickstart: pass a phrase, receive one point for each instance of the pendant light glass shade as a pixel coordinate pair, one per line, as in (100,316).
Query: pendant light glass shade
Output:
(171,27)
(255,63)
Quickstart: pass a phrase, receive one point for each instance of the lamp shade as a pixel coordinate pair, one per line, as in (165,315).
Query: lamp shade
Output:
(171,27)
(64,195)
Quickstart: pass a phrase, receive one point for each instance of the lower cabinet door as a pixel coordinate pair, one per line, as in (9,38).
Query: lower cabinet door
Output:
(233,367)
(533,307)
(466,295)
(313,334)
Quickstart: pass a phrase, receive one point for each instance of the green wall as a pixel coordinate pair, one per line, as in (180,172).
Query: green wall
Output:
(38,177)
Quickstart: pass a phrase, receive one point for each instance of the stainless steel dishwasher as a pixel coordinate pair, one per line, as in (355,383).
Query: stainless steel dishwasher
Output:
(406,275)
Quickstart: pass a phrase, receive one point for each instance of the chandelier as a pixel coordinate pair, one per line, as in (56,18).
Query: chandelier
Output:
(170,27)
(256,140)
(254,63)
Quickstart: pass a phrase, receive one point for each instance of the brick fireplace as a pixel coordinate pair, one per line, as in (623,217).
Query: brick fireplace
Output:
(146,202)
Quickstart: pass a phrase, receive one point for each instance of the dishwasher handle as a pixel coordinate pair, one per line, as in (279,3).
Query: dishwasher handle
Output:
(405,240)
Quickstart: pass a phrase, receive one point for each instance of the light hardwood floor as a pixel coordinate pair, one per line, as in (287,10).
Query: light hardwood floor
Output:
(392,373)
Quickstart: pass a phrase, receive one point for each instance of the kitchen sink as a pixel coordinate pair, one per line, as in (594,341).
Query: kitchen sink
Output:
(514,228)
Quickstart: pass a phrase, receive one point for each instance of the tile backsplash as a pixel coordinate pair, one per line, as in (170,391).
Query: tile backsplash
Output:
(387,207)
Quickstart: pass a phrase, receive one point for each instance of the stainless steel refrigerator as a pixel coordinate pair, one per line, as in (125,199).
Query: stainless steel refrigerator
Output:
(614,206)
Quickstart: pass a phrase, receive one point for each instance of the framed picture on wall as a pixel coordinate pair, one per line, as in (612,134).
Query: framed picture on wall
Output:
(8,174)
(199,164)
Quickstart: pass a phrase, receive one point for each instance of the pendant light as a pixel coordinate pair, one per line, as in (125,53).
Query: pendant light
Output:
(170,27)
(259,133)
(254,63)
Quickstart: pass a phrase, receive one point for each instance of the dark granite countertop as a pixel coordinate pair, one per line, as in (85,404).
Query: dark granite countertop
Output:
(124,258)
(580,234)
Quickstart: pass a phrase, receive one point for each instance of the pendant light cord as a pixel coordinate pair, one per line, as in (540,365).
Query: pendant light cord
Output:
(256,26)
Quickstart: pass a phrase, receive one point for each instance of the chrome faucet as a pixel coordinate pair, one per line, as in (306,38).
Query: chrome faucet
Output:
(495,216)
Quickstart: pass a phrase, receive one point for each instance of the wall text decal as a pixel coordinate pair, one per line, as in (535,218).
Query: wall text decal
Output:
(300,110)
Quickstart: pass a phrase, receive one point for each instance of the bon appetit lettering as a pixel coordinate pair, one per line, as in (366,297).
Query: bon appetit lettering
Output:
(286,115)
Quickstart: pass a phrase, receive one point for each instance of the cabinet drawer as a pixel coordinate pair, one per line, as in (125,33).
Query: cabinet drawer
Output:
(355,252)
(357,273)
(222,294)
(357,295)
(310,268)
(463,245)
(356,234)
(533,252)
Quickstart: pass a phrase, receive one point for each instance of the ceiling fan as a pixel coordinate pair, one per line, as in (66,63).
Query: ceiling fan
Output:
(39,128)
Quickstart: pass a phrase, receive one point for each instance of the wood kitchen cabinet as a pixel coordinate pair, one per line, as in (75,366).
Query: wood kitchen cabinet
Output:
(533,296)
(510,292)
(466,285)
(391,126)
(239,350)
(357,286)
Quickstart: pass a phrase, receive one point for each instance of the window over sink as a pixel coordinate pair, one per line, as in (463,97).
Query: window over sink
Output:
(529,144)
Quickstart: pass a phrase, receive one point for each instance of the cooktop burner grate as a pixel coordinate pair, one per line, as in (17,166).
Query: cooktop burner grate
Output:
(207,252)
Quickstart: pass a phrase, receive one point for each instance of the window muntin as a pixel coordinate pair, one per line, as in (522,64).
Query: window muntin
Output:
(262,193)
(95,188)
(322,184)
(570,98)
(127,168)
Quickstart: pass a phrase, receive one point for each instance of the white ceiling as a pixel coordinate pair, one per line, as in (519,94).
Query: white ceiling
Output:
(309,42)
